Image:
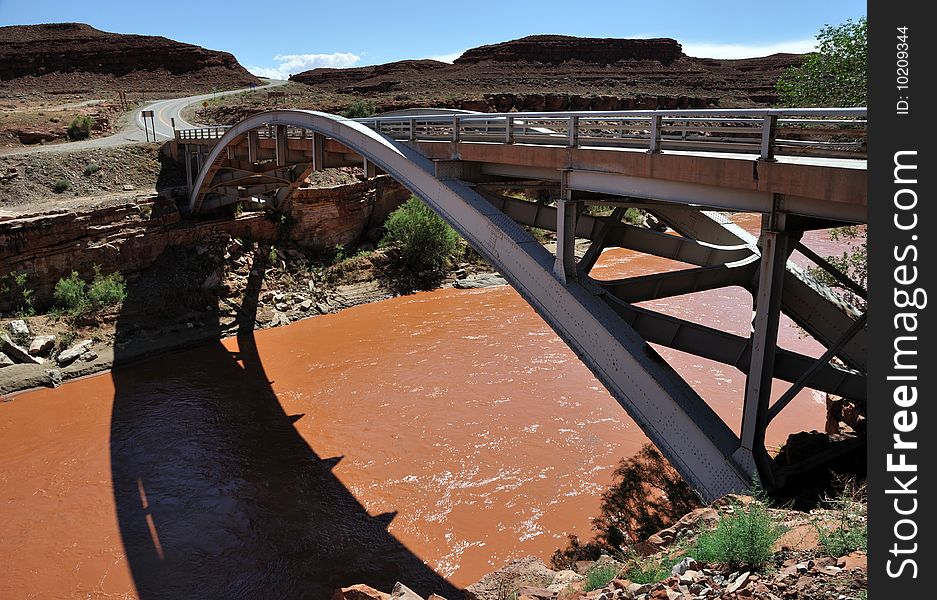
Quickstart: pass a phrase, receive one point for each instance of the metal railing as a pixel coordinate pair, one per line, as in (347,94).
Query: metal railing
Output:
(829,132)
(823,132)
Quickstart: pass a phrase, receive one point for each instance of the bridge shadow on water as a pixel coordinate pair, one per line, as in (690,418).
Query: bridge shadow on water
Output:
(217,494)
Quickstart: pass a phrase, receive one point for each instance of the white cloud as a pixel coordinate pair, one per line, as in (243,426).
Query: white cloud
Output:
(291,64)
(447,58)
(706,50)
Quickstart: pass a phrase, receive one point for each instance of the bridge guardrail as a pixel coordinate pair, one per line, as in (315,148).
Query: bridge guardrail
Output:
(836,132)
(823,132)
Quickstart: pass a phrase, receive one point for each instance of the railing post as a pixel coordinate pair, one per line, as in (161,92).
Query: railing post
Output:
(455,128)
(412,135)
(655,134)
(769,128)
(573,131)
(508,130)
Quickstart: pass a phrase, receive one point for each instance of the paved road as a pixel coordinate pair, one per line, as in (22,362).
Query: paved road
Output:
(132,133)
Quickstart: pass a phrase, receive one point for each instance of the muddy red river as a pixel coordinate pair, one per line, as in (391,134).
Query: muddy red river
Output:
(428,438)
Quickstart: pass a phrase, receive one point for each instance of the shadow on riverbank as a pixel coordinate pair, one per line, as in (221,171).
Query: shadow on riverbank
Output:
(217,494)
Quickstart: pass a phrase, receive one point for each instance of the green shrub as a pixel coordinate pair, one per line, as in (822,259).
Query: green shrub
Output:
(422,239)
(648,571)
(91,169)
(359,109)
(15,287)
(106,290)
(851,532)
(634,216)
(74,295)
(70,293)
(599,576)
(60,186)
(743,538)
(80,128)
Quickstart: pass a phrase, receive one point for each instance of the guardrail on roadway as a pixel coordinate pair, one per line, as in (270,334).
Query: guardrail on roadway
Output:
(823,132)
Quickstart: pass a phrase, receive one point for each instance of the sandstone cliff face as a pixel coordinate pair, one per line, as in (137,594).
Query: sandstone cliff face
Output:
(78,57)
(558,49)
(337,78)
(129,239)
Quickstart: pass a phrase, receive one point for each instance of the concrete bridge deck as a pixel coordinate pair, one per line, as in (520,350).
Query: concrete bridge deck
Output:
(800,169)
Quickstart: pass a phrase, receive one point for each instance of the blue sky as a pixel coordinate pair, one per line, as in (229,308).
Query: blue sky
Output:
(288,36)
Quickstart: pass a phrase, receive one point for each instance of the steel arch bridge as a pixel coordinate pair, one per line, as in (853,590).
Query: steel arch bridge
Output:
(684,167)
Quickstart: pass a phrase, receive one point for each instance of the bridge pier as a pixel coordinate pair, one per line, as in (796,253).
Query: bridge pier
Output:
(775,249)
(567,211)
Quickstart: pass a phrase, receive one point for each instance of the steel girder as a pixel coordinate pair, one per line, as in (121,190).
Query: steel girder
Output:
(673,332)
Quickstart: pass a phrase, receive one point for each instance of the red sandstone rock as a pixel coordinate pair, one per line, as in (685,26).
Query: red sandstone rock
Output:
(359,592)
(77,57)
(854,561)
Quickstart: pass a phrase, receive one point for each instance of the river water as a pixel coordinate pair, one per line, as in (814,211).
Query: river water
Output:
(429,438)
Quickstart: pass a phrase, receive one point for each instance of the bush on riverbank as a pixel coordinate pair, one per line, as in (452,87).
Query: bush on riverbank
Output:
(743,538)
(75,296)
(423,243)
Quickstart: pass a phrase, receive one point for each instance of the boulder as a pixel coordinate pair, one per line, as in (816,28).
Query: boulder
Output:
(55,377)
(687,564)
(534,593)
(42,345)
(359,592)
(854,561)
(70,355)
(18,328)
(17,352)
(529,571)
(5,361)
(402,592)
(738,582)
(564,579)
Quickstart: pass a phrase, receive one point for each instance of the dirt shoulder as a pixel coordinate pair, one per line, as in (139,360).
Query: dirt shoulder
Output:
(39,182)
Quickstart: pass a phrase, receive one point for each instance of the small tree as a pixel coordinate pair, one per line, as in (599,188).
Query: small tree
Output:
(853,263)
(835,75)
(423,240)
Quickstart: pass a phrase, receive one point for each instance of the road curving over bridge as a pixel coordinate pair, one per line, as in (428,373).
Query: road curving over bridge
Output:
(460,177)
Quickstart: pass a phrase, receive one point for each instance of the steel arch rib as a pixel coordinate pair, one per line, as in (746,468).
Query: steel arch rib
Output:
(692,437)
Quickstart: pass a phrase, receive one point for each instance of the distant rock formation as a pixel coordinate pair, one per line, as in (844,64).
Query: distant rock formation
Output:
(556,49)
(68,57)
(557,72)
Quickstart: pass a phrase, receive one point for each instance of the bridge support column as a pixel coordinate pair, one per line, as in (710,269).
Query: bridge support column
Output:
(318,151)
(751,455)
(567,210)
(281,145)
(188,169)
(370,169)
(253,145)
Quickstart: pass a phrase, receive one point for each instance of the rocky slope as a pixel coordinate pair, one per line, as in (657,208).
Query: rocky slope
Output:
(74,57)
(549,72)
(662,568)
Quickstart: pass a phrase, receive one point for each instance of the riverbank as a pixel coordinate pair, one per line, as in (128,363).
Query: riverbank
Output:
(296,284)
(187,282)
(734,549)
